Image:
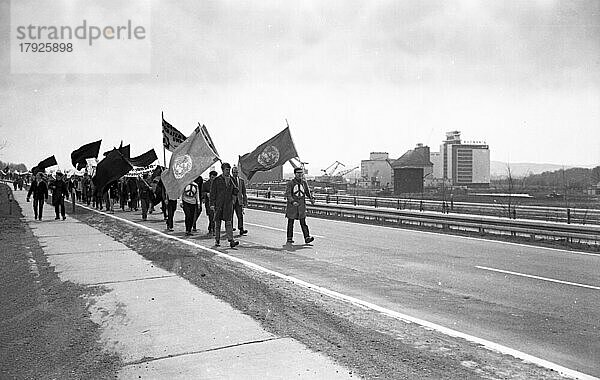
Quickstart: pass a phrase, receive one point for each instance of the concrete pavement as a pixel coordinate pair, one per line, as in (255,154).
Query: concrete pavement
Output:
(161,325)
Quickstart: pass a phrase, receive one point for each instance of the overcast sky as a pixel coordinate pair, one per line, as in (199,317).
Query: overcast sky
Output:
(350,76)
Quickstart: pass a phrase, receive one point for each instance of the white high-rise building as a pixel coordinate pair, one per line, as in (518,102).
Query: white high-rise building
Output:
(462,163)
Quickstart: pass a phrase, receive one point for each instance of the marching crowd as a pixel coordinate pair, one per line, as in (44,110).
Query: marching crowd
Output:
(223,197)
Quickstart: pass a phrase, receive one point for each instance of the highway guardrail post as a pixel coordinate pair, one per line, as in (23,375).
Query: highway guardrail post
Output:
(568,216)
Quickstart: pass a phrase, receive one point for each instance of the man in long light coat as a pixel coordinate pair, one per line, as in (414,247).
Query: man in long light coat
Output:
(296,193)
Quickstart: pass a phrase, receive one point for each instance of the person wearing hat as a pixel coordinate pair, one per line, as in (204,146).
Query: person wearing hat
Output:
(296,193)
(59,192)
(222,194)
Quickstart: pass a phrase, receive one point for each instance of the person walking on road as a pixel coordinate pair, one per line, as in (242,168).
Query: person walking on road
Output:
(190,201)
(296,193)
(145,192)
(111,194)
(206,197)
(132,190)
(171,208)
(39,190)
(86,189)
(240,201)
(59,192)
(199,182)
(123,193)
(222,195)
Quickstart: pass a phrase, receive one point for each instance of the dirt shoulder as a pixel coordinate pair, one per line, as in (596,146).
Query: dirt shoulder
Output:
(45,327)
(370,344)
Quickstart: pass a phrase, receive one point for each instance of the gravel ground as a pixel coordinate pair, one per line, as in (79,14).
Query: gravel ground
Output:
(45,326)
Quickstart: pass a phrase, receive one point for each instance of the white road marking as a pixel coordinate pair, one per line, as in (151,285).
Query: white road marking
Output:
(539,278)
(455,236)
(282,230)
(273,228)
(364,304)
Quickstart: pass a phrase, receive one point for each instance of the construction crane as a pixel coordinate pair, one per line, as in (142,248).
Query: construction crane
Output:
(335,165)
(344,172)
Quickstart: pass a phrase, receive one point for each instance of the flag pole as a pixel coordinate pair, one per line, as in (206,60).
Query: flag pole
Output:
(162,115)
(298,157)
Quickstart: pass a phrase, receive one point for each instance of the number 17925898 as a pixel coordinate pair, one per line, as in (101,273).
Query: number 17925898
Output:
(47,47)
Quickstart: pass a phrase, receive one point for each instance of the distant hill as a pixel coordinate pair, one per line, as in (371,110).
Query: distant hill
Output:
(523,169)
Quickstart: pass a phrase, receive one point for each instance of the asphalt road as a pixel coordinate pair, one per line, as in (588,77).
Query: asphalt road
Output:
(544,302)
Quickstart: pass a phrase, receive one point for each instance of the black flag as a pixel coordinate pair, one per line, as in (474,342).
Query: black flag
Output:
(50,161)
(144,159)
(124,150)
(111,168)
(86,151)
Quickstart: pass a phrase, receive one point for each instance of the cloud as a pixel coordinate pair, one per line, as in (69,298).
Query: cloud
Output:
(359,41)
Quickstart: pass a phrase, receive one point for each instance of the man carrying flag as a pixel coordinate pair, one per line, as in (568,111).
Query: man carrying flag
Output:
(268,155)
(188,161)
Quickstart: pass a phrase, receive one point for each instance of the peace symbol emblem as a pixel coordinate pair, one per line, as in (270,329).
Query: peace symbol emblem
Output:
(298,191)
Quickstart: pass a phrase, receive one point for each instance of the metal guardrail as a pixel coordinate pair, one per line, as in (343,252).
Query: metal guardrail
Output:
(512,211)
(588,234)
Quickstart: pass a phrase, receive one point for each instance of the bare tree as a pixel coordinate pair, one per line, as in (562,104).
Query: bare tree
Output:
(565,182)
(4,142)
(509,202)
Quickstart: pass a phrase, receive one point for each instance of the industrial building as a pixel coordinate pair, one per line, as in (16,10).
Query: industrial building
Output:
(376,172)
(458,163)
(410,170)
